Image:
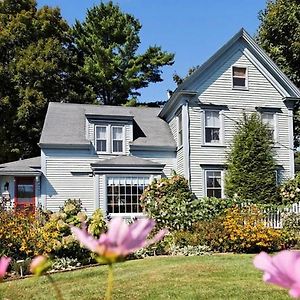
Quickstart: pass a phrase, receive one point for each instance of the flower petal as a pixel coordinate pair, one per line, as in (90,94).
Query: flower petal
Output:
(85,238)
(4,262)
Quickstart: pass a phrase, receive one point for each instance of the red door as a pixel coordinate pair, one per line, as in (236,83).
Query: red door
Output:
(25,194)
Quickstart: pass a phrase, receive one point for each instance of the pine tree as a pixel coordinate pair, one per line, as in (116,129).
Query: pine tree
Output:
(108,40)
(251,172)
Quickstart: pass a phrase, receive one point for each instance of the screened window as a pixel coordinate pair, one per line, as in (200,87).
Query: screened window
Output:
(213,184)
(179,118)
(101,138)
(117,139)
(268,119)
(239,77)
(123,194)
(212,127)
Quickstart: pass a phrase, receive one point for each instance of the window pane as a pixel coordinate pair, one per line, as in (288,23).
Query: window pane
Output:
(217,193)
(239,81)
(212,119)
(25,192)
(101,145)
(117,146)
(117,133)
(212,135)
(101,133)
(239,72)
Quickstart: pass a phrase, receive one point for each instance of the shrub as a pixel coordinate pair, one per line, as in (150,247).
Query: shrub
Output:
(245,231)
(169,202)
(290,190)
(250,163)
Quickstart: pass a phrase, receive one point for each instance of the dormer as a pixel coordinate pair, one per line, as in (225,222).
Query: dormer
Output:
(110,134)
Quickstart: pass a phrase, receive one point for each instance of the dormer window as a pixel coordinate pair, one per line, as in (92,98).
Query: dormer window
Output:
(109,139)
(117,139)
(239,77)
(101,139)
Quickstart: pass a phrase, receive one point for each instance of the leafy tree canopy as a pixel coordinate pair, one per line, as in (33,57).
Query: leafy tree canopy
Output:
(108,40)
(38,64)
(279,36)
(178,80)
(251,164)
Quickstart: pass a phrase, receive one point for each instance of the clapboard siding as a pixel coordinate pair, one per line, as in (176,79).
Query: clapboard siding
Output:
(217,89)
(168,158)
(63,182)
(180,162)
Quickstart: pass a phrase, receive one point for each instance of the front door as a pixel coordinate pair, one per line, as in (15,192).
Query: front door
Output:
(25,194)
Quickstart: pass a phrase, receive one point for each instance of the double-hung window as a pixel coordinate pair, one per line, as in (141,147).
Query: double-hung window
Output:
(123,194)
(109,139)
(212,126)
(213,183)
(268,119)
(239,77)
(117,139)
(101,138)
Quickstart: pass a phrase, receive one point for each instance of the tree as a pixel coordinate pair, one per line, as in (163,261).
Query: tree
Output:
(38,64)
(108,40)
(279,36)
(178,80)
(251,172)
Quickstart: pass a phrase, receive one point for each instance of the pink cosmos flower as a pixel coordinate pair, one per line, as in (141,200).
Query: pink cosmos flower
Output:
(282,269)
(120,240)
(39,265)
(4,262)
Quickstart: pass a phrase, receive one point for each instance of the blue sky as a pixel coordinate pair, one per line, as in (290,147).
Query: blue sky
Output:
(192,29)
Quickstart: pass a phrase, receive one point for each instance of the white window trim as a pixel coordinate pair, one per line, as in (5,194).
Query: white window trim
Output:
(246,87)
(178,117)
(222,180)
(275,121)
(123,139)
(124,215)
(109,140)
(221,132)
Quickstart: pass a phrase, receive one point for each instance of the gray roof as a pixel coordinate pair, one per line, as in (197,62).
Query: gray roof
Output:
(29,166)
(124,160)
(65,124)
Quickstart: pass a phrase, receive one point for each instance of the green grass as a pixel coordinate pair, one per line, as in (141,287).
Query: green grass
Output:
(206,277)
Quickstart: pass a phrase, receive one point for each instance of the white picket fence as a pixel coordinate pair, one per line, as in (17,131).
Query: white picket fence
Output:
(274,219)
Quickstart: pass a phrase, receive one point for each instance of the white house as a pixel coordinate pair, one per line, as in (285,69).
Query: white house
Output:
(106,155)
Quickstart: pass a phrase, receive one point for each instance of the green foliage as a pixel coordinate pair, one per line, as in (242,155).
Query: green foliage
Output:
(97,223)
(169,202)
(178,80)
(38,64)
(108,40)
(290,190)
(251,163)
(279,36)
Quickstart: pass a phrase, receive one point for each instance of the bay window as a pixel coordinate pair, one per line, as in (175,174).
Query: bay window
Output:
(123,194)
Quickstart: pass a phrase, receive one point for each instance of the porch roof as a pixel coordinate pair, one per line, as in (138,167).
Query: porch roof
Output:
(128,164)
(29,166)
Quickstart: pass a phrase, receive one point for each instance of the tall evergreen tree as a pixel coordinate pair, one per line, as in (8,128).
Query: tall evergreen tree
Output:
(251,164)
(108,40)
(279,36)
(38,64)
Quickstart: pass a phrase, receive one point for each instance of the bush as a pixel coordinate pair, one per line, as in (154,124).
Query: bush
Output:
(239,229)
(290,190)
(251,164)
(169,202)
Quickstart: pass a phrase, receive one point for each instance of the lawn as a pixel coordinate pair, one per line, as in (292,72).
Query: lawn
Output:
(226,276)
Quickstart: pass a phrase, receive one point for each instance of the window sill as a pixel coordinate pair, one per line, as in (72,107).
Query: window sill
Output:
(127,215)
(240,88)
(214,145)
(110,153)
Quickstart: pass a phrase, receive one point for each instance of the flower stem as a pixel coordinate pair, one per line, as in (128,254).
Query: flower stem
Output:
(110,280)
(55,287)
